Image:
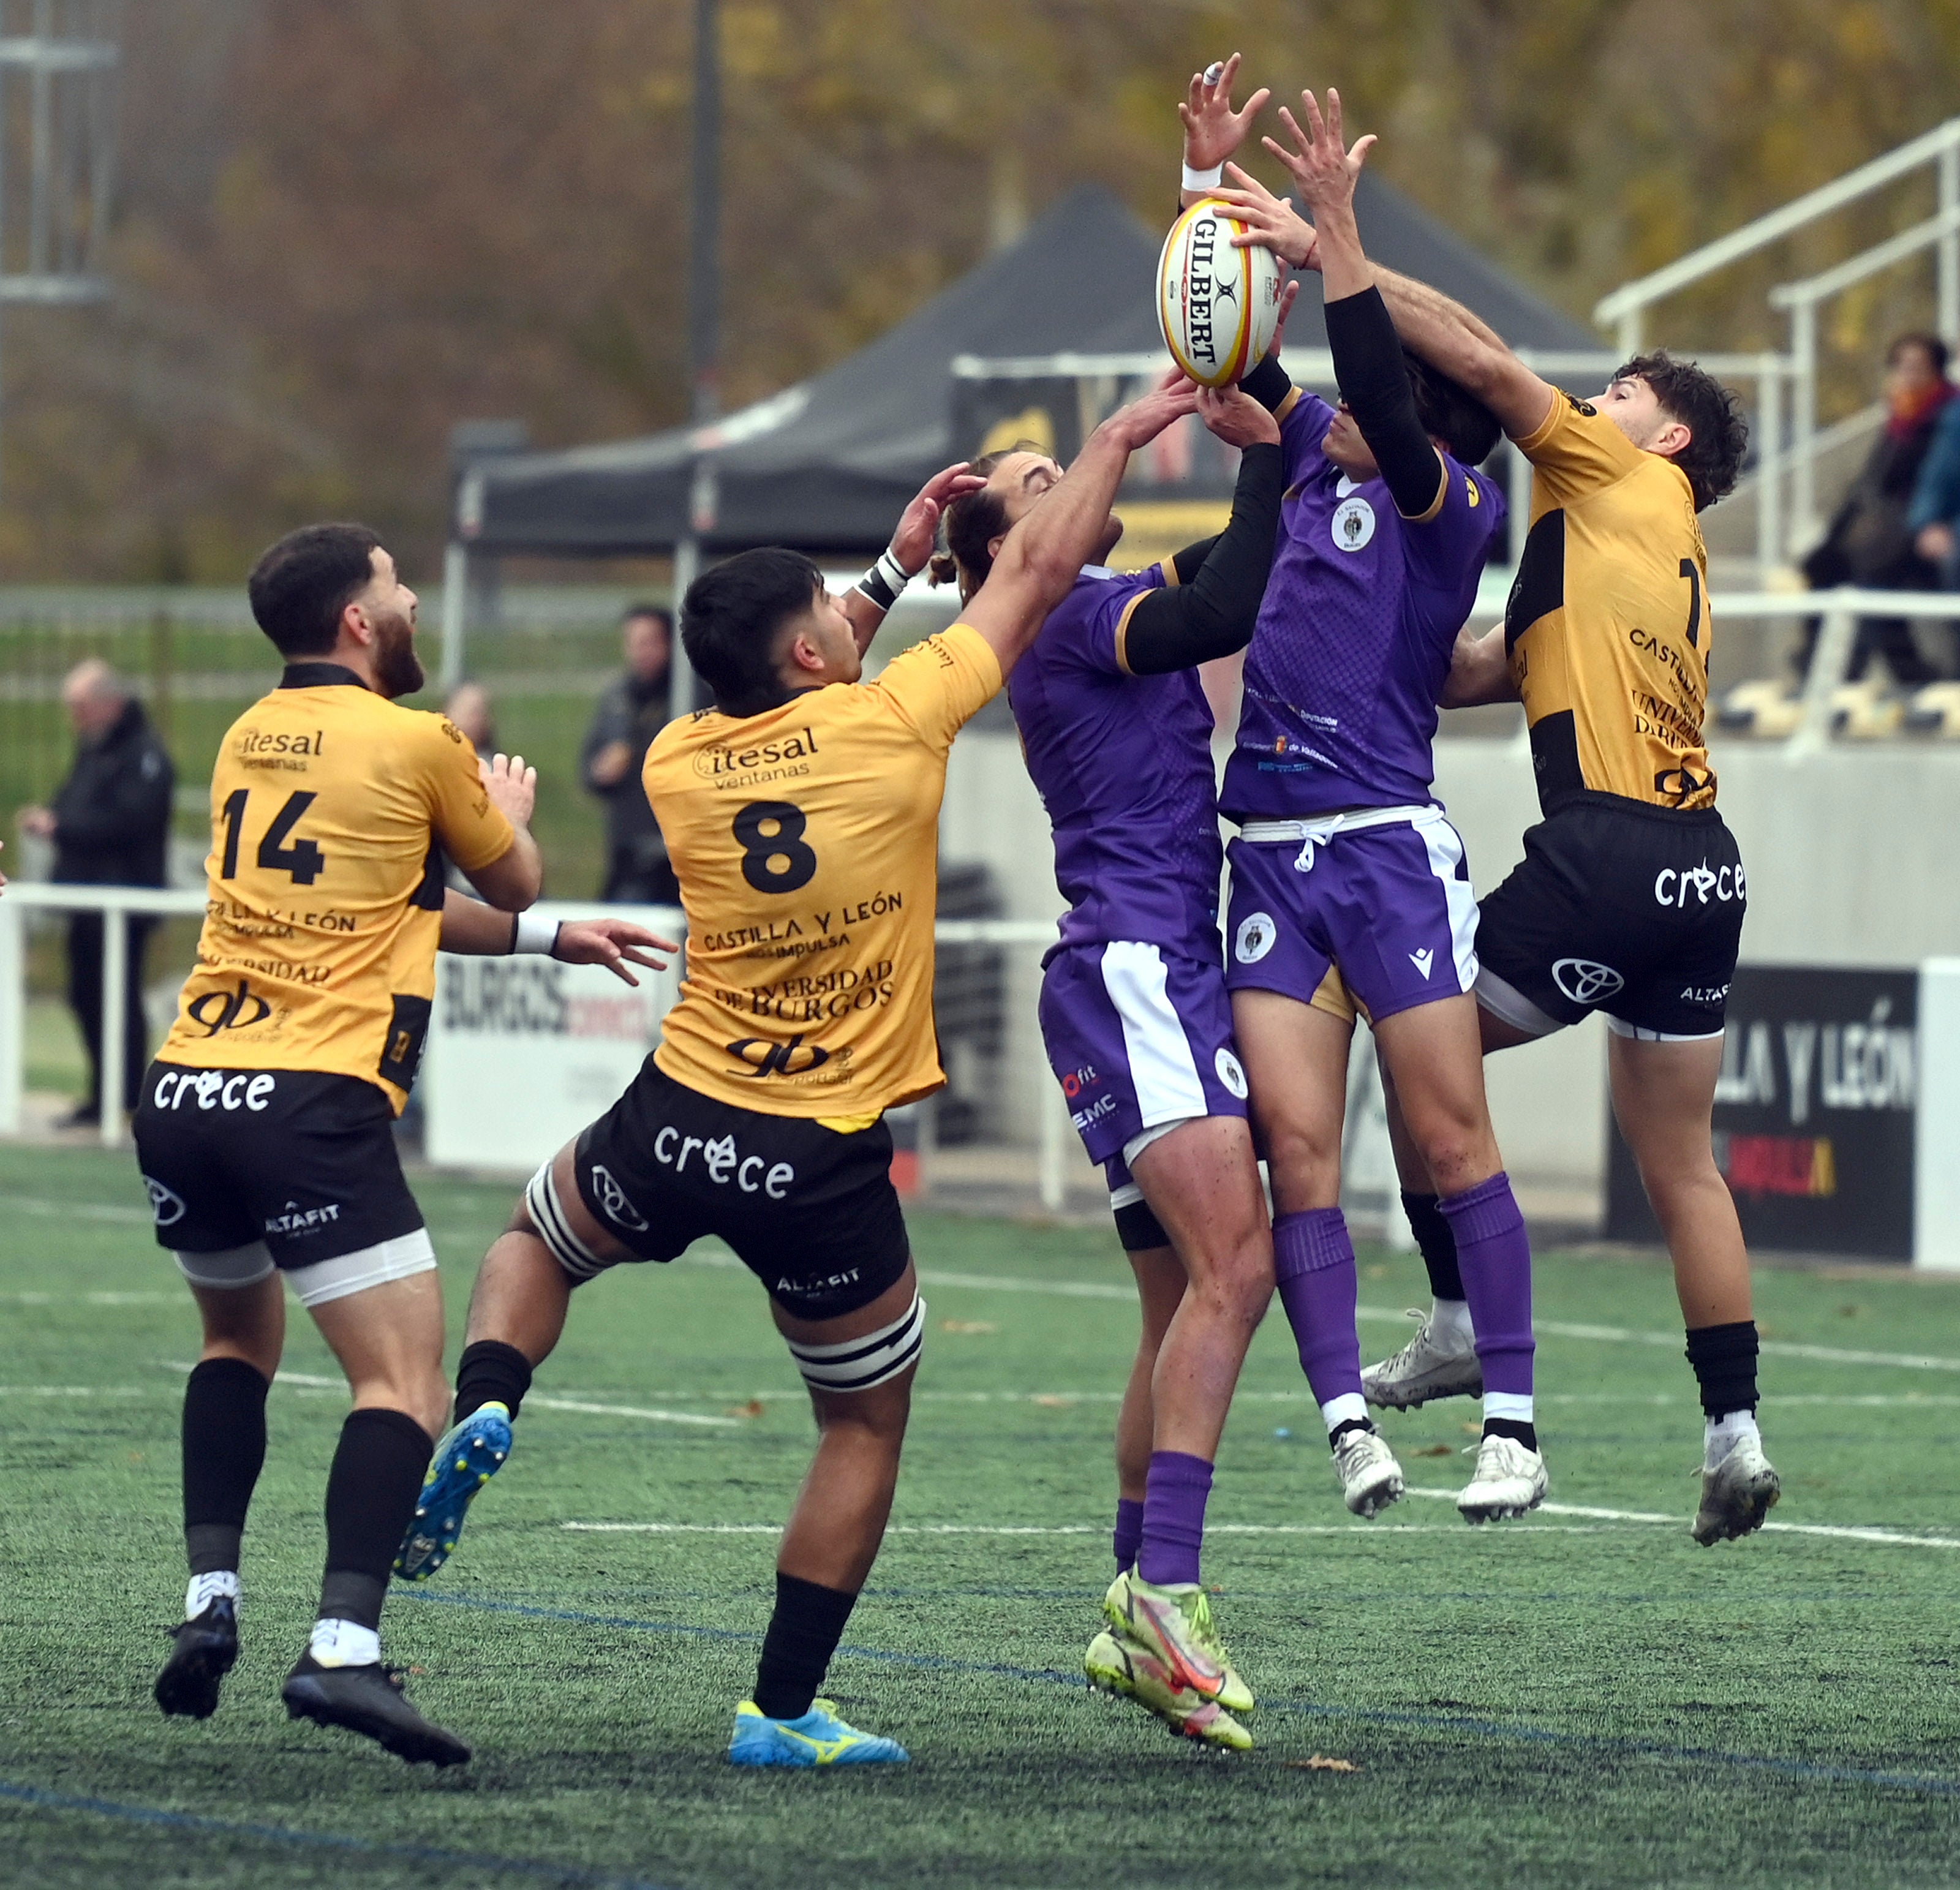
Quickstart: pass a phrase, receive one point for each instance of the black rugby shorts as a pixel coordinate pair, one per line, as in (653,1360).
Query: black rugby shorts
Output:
(1633,910)
(302,1160)
(811,1213)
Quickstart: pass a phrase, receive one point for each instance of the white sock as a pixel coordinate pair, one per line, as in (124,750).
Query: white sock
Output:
(204,1589)
(1724,1433)
(345,1644)
(1343,1410)
(1450,1321)
(1515,1406)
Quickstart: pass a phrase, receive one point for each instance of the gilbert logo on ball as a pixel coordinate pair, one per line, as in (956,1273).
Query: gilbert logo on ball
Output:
(1218,306)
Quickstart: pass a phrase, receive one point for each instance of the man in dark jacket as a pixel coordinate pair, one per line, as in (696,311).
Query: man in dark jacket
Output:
(634,709)
(110,823)
(1870,541)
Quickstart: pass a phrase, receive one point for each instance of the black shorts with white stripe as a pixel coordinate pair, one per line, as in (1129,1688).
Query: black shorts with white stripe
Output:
(812,1213)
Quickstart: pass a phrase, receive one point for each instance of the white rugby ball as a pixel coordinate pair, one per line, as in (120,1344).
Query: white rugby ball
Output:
(1218,306)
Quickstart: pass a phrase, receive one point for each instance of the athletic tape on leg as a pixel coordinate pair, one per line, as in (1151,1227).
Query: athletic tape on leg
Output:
(857,1364)
(548,1216)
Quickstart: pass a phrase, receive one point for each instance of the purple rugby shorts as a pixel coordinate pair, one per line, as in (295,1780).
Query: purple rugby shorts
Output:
(1388,904)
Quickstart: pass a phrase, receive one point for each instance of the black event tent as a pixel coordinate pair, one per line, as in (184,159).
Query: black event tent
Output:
(828,464)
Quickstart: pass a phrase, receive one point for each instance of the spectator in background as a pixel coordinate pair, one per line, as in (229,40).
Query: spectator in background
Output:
(1870,542)
(110,823)
(1935,517)
(634,709)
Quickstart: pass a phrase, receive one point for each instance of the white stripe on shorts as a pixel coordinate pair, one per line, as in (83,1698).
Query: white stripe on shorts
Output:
(548,1216)
(1162,1071)
(400,1258)
(857,1364)
(1445,855)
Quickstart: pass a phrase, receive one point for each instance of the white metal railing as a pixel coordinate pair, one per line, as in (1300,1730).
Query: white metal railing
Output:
(1627,307)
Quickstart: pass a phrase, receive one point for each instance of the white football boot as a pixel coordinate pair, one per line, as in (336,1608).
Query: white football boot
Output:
(1369,1476)
(1737,1494)
(1433,1364)
(1508,1480)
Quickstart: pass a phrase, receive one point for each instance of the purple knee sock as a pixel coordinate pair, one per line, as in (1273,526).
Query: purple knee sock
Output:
(1129,1532)
(1313,1262)
(1495,1258)
(1173,1517)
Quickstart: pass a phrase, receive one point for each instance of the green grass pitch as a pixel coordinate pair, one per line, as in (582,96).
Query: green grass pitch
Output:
(1577,1700)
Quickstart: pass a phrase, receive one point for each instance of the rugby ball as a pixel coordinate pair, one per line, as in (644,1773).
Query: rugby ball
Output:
(1218,306)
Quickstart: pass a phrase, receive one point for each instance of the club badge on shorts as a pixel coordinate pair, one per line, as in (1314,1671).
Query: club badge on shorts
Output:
(1257,935)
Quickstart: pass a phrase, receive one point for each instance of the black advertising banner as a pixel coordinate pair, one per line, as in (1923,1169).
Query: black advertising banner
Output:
(1814,1114)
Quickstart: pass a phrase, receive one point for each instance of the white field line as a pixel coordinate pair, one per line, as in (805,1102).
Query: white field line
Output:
(1059,1528)
(93,1298)
(1842,1533)
(76,1210)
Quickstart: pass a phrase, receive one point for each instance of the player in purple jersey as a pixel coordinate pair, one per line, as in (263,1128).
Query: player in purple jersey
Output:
(1134,1010)
(1345,865)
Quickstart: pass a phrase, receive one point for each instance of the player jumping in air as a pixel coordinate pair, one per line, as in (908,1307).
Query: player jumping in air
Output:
(265,1127)
(1631,897)
(801,813)
(1345,870)
(1117,734)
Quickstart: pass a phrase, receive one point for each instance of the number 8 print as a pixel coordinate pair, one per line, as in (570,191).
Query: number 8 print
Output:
(783,840)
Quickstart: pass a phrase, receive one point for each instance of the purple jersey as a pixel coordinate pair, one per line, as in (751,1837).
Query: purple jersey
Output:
(1123,765)
(1354,636)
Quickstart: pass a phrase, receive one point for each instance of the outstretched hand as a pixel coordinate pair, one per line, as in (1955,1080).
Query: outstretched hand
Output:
(512,787)
(1322,166)
(1235,417)
(1212,131)
(918,525)
(613,943)
(1269,220)
(1145,417)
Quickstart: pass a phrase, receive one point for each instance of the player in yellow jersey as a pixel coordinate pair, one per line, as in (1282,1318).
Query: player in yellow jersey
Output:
(801,813)
(265,1127)
(1631,896)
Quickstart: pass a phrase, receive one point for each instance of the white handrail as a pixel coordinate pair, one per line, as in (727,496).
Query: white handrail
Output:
(1882,255)
(1631,299)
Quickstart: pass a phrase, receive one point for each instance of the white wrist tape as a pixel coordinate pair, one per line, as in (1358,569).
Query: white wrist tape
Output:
(536,935)
(1203,179)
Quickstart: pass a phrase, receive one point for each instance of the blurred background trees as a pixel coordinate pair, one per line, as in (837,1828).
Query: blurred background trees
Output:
(344,226)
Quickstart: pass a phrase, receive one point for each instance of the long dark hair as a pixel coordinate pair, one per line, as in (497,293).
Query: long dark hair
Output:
(971,523)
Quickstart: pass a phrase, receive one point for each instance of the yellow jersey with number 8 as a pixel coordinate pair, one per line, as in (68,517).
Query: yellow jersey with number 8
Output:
(806,840)
(331,811)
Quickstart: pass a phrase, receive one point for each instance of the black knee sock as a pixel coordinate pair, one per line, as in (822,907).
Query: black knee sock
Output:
(223,1451)
(490,1372)
(803,1634)
(370,1495)
(1436,1240)
(1724,1358)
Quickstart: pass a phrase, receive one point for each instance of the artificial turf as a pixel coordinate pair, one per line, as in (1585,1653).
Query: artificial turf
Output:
(1572,1700)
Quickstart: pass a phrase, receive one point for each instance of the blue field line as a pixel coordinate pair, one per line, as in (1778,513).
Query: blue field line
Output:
(196,1821)
(1924,1783)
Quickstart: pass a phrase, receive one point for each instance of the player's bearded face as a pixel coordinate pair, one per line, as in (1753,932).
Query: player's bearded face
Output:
(397,668)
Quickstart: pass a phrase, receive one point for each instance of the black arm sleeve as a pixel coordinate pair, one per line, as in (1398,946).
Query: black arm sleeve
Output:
(1213,615)
(1188,563)
(1368,364)
(1268,383)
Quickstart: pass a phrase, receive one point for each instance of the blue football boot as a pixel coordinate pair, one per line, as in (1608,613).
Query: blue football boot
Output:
(819,1738)
(470,1455)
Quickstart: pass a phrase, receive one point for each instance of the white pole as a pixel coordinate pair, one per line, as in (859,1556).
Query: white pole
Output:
(1803,426)
(1769,455)
(1830,657)
(115,1022)
(687,567)
(455,610)
(13,1012)
(1054,1146)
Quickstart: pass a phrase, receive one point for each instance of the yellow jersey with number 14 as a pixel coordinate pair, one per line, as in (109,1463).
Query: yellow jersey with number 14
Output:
(1608,627)
(806,840)
(331,810)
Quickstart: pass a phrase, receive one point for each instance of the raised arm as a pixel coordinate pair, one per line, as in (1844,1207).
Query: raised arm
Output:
(1043,553)
(1212,131)
(866,602)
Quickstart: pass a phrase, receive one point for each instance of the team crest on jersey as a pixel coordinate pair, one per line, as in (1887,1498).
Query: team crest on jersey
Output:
(1257,936)
(1231,1073)
(1353,524)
